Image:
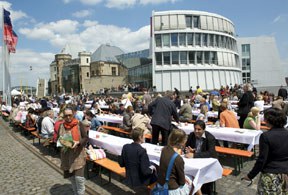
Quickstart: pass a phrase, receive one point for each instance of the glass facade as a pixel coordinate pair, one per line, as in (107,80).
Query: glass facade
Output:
(246,63)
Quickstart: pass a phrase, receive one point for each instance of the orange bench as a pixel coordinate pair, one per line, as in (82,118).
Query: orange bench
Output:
(111,166)
(237,153)
(226,172)
(122,131)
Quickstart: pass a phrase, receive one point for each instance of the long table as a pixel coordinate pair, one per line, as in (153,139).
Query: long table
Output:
(244,136)
(203,170)
(110,118)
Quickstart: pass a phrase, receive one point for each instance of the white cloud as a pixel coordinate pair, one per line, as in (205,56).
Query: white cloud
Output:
(145,2)
(120,4)
(50,30)
(67,1)
(20,67)
(276,19)
(91,2)
(82,13)
(88,23)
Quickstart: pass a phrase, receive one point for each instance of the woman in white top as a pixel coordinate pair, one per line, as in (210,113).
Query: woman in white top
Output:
(259,103)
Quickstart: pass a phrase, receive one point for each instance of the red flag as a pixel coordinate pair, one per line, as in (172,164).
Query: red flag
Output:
(10,37)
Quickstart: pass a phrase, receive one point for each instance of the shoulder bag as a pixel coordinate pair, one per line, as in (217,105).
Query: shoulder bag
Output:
(164,190)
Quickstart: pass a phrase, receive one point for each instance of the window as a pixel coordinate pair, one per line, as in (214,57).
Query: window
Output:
(175,57)
(158,56)
(87,60)
(158,41)
(213,58)
(204,40)
(87,74)
(113,70)
(55,68)
(183,57)
(197,39)
(199,57)
(166,57)
(196,21)
(246,50)
(182,39)
(211,40)
(191,57)
(93,73)
(166,40)
(189,38)
(188,21)
(206,57)
(174,39)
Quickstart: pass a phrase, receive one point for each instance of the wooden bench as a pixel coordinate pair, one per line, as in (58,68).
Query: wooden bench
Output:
(111,166)
(122,131)
(5,116)
(226,172)
(35,134)
(237,154)
(27,129)
(115,129)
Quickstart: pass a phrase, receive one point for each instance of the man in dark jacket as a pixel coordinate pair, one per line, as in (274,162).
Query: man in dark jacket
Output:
(245,104)
(161,110)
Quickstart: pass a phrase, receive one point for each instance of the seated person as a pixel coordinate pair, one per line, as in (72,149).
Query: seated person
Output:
(203,116)
(47,124)
(134,158)
(95,124)
(30,118)
(185,112)
(253,120)
(127,124)
(228,117)
(215,103)
(177,183)
(259,102)
(120,110)
(201,144)
(141,121)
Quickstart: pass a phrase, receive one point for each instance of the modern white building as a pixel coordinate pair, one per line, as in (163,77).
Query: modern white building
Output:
(191,48)
(261,64)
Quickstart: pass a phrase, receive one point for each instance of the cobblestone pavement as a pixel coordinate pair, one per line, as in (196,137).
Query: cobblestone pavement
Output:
(23,172)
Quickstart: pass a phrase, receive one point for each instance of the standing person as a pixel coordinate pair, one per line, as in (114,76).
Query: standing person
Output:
(73,159)
(282,92)
(245,104)
(161,110)
(134,158)
(146,100)
(272,161)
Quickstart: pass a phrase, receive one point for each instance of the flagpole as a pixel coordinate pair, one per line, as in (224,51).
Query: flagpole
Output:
(3,60)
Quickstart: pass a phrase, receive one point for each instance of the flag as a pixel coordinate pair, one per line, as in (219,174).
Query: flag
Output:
(10,37)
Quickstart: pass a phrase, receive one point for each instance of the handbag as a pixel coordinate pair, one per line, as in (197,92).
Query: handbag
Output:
(164,190)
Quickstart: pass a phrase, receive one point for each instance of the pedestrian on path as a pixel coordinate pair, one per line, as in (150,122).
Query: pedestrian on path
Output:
(273,156)
(73,156)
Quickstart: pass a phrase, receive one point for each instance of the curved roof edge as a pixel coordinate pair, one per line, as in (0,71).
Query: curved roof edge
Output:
(194,12)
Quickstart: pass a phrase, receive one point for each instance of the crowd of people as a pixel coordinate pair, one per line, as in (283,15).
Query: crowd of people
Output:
(237,107)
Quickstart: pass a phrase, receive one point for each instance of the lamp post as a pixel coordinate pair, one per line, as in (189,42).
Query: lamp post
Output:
(31,86)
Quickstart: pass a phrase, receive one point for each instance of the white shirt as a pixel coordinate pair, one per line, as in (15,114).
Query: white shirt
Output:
(47,125)
(259,104)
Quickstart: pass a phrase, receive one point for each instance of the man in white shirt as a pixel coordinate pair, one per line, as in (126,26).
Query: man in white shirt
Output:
(47,125)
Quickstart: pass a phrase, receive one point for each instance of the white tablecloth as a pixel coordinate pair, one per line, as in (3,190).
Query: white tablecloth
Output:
(244,136)
(203,170)
(110,118)
(210,113)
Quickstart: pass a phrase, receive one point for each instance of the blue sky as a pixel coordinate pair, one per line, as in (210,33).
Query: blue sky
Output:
(44,27)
